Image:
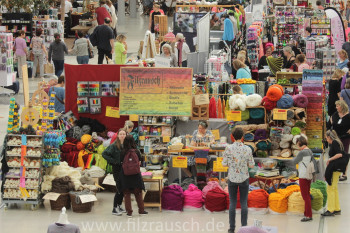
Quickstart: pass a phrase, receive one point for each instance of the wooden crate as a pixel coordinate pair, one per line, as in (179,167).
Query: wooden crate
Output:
(162,20)
(289,75)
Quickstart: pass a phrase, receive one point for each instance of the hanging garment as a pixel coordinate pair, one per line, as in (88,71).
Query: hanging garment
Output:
(212,108)
(219,108)
(228,30)
(234,23)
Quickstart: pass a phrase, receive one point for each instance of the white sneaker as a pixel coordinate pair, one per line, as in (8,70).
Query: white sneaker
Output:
(116,211)
(121,209)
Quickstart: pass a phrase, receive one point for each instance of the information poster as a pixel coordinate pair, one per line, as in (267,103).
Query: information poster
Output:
(156,91)
(217,165)
(280,114)
(180,161)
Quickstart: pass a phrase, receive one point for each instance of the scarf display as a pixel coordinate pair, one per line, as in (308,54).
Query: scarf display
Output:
(179,49)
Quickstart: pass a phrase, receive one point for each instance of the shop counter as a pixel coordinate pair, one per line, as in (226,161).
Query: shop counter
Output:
(81,28)
(154,198)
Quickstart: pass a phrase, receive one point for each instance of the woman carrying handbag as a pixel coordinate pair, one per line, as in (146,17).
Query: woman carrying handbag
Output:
(82,49)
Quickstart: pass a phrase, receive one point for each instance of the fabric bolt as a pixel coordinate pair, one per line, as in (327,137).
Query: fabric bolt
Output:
(333,194)
(216,200)
(322,186)
(243,188)
(193,197)
(173,198)
(317,199)
(305,192)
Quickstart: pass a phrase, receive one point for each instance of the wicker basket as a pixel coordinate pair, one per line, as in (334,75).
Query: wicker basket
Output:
(62,201)
(80,207)
(176,147)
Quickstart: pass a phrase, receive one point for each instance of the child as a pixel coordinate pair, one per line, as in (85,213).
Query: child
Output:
(237,89)
(120,50)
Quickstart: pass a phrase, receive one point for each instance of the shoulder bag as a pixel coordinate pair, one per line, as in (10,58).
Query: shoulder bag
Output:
(91,53)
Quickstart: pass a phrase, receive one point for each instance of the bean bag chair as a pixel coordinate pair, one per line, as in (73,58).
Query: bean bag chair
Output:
(258,199)
(322,186)
(317,199)
(193,197)
(253,100)
(210,185)
(300,101)
(285,102)
(275,92)
(268,104)
(296,203)
(216,200)
(172,198)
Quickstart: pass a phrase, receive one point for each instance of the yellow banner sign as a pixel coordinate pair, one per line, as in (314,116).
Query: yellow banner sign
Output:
(280,114)
(112,112)
(134,117)
(217,165)
(180,161)
(233,115)
(156,91)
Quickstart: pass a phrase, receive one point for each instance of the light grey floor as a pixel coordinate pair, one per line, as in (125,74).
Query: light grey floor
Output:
(22,219)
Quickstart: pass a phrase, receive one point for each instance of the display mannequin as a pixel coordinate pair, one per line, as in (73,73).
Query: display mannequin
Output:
(63,225)
(63,217)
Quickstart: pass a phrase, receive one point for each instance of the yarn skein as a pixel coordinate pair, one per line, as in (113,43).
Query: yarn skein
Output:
(260,134)
(300,101)
(275,92)
(257,113)
(285,102)
(268,104)
(296,131)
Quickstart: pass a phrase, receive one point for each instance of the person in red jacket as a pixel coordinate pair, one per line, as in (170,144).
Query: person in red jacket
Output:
(102,13)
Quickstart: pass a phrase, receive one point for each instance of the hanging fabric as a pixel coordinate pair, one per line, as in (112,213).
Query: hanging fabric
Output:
(212,108)
(219,108)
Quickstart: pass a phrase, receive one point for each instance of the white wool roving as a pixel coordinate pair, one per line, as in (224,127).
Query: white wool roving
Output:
(107,142)
(253,100)
(238,101)
(284,145)
(287,137)
(46,185)
(64,170)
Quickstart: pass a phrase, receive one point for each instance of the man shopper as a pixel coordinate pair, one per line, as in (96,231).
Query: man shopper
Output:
(102,12)
(68,8)
(103,38)
(238,157)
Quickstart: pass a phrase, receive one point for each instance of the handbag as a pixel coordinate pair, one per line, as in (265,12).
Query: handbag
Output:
(91,53)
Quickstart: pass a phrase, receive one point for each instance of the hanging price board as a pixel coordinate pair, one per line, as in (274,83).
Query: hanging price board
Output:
(112,112)
(180,161)
(87,198)
(217,165)
(233,115)
(166,139)
(216,134)
(280,114)
(134,117)
(51,196)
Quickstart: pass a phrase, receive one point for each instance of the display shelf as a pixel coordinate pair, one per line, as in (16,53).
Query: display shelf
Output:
(158,124)
(25,167)
(27,146)
(29,156)
(18,177)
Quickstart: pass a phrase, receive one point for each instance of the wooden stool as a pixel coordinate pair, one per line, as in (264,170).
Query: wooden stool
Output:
(271,179)
(154,198)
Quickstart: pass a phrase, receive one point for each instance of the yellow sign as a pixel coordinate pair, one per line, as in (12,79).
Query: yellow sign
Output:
(133,117)
(166,139)
(233,115)
(180,161)
(112,112)
(156,91)
(217,165)
(142,138)
(216,134)
(280,114)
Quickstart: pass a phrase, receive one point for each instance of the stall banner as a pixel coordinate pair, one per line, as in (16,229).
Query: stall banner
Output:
(337,28)
(180,161)
(156,91)
(217,165)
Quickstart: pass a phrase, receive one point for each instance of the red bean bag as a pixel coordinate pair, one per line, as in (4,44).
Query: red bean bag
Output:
(258,199)
(216,200)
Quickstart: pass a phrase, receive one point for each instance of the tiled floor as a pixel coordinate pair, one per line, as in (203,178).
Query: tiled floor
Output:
(22,219)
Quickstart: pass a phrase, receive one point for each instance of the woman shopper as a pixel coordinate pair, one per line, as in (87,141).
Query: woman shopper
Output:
(242,70)
(39,50)
(343,61)
(166,52)
(120,50)
(113,17)
(113,156)
(156,11)
(263,60)
(57,50)
(131,183)
(129,127)
(334,90)
(336,164)
(289,57)
(21,52)
(303,159)
(81,49)
(345,93)
(300,63)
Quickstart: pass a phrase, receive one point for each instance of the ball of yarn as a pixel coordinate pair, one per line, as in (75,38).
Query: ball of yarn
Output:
(300,124)
(275,145)
(322,186)
(275,92)
(289,123)
(286,153)
(257,113)
(290,114)
(245,115)
(300,101)
(278,202)
(261,154)
(251,145)
(110,134)
(85,139)
(287,129)
(276,152)
(77,132)
(287,137)
(260,134)
(295,153)
(80,146)
(285,102)
(253,100)
(100,149)
(249,137)
(296,203)
(268,104)
(317,199)
(263,145)
(258,199)
(296,131)
(86,129)
(284,145)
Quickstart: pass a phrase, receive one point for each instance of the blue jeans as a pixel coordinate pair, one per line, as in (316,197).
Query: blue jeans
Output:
(243,192)
(83,59)
(59,66)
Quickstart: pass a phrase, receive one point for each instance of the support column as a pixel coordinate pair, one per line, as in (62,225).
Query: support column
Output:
(133,8)
(121,11)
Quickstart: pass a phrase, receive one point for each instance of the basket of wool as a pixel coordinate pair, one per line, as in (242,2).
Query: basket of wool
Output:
(322,186)
(296,203)
(275,92)
(300,101)
(258,199)
(257,113)
(285,102)
(253,100)
(249,137)
(260,134)
(268,104)
(263,144)
(251,145)
(317,199)
(245,115)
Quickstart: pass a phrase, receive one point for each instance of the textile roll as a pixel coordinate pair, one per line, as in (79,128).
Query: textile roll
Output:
(253,100)
(290,122)
(257,113)
(317,199)
(261,154)
(263,144)
(268,104)
(287,129)
(296,131)
(251,145)
(286,153)
(275,92)
(287,138)
(290,114)
(276,152)
(245,115)
(249,137)
(284,145)
(300,101)
(258,199)
(275,145)
(285,102)
(322,186)
(296,203)
(260,134)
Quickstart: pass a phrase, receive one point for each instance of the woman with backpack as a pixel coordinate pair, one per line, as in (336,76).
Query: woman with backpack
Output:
(303,159)
(130,176)
(113,156)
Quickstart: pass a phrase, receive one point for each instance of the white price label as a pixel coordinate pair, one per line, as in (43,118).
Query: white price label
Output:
(109,180)
(87,198)
(52,196)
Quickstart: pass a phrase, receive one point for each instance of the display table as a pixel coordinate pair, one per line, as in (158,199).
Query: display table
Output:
(192,151)
(81,28)
(271,179)
(154,198)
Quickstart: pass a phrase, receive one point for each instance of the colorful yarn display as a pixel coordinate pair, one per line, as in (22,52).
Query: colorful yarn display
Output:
(290,114)
(268,104)
(51,110)
(322,186)
(285,102)
(249,137)
(300,101)
(257,113)
(317,199)
(253,100)
(44,121)
(263,144)
(286,153)
(296,203)
(245,115)
(275,92)
(258,199)
(260,134)
(296,131)
(261,154)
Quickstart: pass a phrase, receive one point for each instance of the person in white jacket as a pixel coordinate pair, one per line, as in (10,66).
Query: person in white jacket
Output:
(182,49)
(114,17)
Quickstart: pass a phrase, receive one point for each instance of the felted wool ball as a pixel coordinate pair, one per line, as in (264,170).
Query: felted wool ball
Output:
(260,134)
(287,129)
(245,115)
(300,101)
(285,102)
(261,154)
(287,138)
(284,145)
(296,131)
(85,139)
(263,145)
(276,152)
(300,124)
(295,153)
(80,146)
(275,145)
(251,145)
(249,137)
(289,123)
(86,129)
(253,100)
(257,113)
(268,104)
(286,153)
(275,92)
(290,114)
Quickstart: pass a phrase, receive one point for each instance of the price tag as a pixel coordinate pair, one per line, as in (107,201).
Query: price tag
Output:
(134,117)
(87,198)
(217,165)
(166,139)
(233,115)
(180,161)
(142,138)
(109,180)
(216,133)
(51,196)
(112,112)
(280,114)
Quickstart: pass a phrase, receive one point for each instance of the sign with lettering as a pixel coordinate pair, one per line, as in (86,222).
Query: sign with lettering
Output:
(156,91)
(280,114)
(180,161)
(162,61)
(217,165)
